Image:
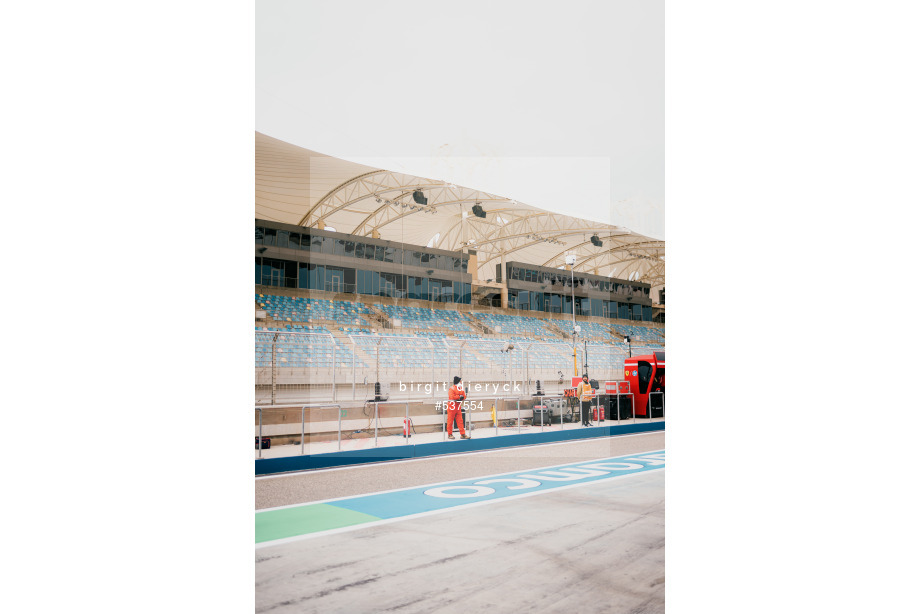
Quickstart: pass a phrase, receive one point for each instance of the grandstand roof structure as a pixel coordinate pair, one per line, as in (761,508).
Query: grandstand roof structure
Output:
(297,186)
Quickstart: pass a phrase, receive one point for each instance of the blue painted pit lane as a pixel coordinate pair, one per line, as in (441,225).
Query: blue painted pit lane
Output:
(409,502)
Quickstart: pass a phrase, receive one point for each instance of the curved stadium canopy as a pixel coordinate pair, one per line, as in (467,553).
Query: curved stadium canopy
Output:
(294,185)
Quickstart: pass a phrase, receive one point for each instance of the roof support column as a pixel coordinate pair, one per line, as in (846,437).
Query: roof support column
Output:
(504,272)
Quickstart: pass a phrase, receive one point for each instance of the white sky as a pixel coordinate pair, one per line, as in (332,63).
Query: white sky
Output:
(560,106)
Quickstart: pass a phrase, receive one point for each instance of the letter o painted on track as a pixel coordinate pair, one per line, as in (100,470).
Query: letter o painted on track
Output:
(478,491)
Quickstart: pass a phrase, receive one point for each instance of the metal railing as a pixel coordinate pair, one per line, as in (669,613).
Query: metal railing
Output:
(497,414)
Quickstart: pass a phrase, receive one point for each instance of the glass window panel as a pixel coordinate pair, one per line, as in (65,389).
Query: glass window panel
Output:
(294,240)
(260,235)
(350,249)
(327,245)
(379,253)
(316,243)
(258,271)
(269,238)
(338,247)
(303,275)
(282,238)
(388,254)
(359,250)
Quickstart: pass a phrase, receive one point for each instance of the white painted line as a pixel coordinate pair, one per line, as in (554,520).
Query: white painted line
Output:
(376,523)
(442,483)
(373,464)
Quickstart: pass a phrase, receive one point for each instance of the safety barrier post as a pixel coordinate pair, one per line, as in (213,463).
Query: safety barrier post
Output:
(260,431)
(339,409)
(407,430)
(302,427)
(376,421)
(543,417)
(519,415)
(495,405)
(443,423)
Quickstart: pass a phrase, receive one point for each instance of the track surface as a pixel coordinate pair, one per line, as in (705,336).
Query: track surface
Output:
(595,547)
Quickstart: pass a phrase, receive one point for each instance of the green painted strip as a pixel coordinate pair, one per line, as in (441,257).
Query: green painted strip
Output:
(293,521)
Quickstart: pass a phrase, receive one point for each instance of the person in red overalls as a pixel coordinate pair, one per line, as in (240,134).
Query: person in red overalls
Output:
(456,396)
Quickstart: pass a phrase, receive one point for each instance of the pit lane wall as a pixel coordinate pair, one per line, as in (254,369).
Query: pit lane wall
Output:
(268,466)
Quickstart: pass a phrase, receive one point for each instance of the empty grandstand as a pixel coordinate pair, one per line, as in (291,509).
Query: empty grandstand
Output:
(366,276)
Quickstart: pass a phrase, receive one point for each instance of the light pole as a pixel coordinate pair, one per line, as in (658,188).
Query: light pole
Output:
(570,260)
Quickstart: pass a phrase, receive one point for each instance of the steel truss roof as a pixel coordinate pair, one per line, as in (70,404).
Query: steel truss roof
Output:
(298,186)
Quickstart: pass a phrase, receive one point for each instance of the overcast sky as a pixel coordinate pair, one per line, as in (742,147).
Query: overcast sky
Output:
(558,105)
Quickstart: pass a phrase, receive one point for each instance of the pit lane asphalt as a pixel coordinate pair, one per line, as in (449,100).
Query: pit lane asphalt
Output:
(598,547)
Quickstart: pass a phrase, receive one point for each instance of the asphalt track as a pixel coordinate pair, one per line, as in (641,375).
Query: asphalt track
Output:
(595,544)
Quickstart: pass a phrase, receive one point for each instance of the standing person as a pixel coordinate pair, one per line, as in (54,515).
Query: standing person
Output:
(585,393)
(457,395)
